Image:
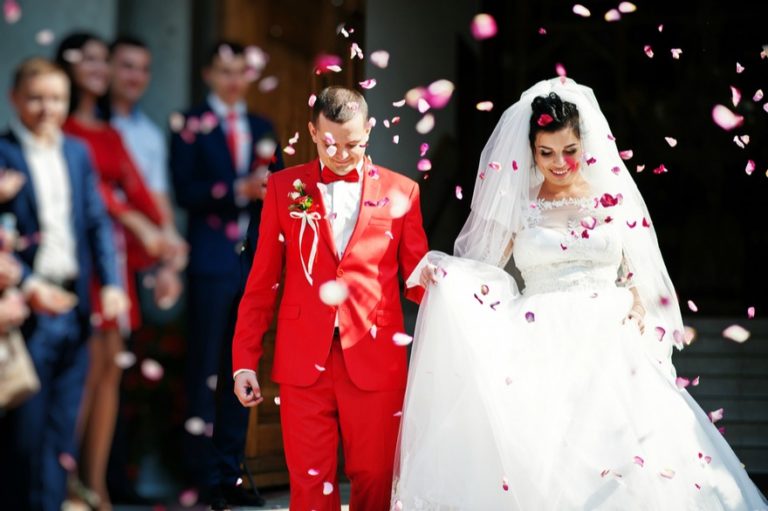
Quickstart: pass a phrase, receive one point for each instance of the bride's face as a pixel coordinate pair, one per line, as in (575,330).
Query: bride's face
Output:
(558,156)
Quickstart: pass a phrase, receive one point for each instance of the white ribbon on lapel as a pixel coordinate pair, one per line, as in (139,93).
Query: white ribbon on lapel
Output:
(310,219)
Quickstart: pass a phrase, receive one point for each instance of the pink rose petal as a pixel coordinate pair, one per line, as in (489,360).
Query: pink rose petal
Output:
(355,51)
(425,124)
(319,367)
(277,400)
(483,26)
(402,339)
(736,333)
(485,106)
(311,100)
(11,11)
(188,497)
(514,165)
(627,7)
(327,488)
(422,105)
(560,70)
(661,169)
(398,104)
(667,473)
(660,332)
(396,139)
(374,331)
(268,84)
(692,306)
(67,462)
(218,190)
(750,168)
(639,461)
(530,317)
(423,148)
(125,359)
(682,382)
(424,165)
(582,11)
(660,28)
(671,141)
(588,222)
(612,15)
(439,93)
(398,413)
(716,415)
(751,312)
(459,195)
(735,96)
(289,150)
(325,62)
(676,52)
(380,58)
(494,165)
(232,231)
(151,369)
(313,472)
(370,83)
(616,170)
(45,37)
(725,118)
(504,484)
(758,95)
(333,292)
(648,51)
(739,68)
(542,31)
(626,155)
(195,426)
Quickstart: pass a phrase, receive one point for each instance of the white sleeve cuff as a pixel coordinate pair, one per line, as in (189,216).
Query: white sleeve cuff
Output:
(243,371)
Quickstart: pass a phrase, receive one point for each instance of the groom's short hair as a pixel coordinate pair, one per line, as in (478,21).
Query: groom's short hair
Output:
(339,104)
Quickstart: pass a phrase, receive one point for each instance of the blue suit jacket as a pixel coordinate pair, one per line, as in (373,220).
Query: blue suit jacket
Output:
(92,227)
(195,168)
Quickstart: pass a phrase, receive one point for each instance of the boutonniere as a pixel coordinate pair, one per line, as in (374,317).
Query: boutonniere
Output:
(302,201)
(304,208)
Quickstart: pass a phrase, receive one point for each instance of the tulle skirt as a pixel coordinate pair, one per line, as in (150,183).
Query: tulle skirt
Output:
(550,402)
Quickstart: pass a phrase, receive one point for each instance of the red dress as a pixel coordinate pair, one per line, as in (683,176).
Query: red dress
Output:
(123,189)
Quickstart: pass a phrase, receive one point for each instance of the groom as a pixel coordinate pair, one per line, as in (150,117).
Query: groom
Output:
(341,228)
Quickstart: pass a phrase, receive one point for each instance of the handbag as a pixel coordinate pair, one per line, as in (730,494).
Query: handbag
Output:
(18,378)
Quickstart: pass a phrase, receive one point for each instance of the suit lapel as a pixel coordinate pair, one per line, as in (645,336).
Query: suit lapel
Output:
(370,194)
(24,169)
(311,178)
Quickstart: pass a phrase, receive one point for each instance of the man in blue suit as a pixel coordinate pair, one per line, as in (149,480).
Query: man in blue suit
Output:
(219,174)
(67,235)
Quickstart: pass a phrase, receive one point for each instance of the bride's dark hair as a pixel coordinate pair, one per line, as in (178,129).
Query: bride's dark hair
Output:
(562,113)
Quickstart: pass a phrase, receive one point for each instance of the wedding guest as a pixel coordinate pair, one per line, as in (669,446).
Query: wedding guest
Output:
(219,176)
(138,233)
(61,216)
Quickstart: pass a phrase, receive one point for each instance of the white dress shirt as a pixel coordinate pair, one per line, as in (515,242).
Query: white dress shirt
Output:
(56,254)
(146,144)
(342,205)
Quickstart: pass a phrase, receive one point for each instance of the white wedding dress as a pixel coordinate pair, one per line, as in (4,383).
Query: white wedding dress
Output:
(546,400)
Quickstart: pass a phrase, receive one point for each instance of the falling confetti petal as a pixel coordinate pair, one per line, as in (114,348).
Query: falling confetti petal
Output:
(667,473)
(671,141)
(735,96)
(459,195)
(750,168)
(612,15)
(268,84)
(151,369)
(504,484)
(333,292)
(483,26)
(560,70)
(676,52)
(125,359)
(398,413)
(44,37)
(660,28)
(530,317)
(398,104)
(692,306)
(582,11)
(380,58)
(758,95)
(423,105)
(396,139)
(402,339)
(277,400)
(739,68)
(195,426)
(648,51)
(212,381)
(736,333)
(355,51)
(327,488)
(542,31)
(423,148)
(660,333)
(544,119)
(626,155)
(331,150)
(425,124)
(716,415)
(725,118)
(11,11)
(188,497)
(485,106)
(424,165)
(67,462)
(682,382)
(627,7)
(439,93)
(661,169)
(313,472)
(639,461)
(289,150)
(370,83)
(751,312)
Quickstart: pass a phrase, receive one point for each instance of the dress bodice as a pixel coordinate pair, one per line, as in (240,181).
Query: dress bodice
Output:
(567,244)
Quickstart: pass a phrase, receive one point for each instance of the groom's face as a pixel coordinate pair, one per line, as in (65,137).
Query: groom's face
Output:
(340,146)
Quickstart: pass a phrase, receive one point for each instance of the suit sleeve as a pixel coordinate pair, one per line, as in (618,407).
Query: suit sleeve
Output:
(413,244)
(194,191)
(99,227)
(257,306)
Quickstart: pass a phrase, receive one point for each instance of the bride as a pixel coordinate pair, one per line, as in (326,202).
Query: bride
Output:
(562,395)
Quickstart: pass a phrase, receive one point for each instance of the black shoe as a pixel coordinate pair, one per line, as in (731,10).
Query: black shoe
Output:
(236,496)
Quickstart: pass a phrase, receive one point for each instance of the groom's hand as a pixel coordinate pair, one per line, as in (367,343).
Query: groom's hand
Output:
(247,389)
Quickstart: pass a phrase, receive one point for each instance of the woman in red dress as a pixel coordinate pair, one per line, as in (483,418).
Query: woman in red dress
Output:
(139,230)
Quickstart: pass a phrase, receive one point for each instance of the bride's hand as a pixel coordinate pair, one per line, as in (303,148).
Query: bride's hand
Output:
(637,313)
(428,275)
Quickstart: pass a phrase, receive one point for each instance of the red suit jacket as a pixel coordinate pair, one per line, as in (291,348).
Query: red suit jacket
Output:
(384,242)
